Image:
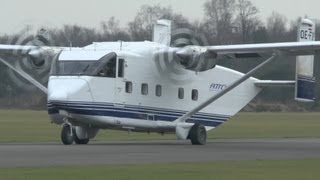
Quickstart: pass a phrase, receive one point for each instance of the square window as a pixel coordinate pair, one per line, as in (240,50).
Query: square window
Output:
(158,90)
(128,87)
(195,95)
(144,89)
(181,93)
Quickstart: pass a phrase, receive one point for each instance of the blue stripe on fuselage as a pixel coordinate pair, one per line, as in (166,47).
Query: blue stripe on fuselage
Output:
(134,112)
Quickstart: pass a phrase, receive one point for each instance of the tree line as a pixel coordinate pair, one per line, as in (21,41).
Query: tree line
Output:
(224,22)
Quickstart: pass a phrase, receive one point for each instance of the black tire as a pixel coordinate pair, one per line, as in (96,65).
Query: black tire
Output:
(77,140)
(198,135)
(66,137)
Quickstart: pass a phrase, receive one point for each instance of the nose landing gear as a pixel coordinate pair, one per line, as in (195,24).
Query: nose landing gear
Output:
(67,134)
(70,134)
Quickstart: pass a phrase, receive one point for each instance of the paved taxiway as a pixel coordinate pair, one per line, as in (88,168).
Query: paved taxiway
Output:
(55,154)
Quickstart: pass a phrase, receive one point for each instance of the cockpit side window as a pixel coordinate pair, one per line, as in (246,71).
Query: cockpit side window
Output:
(109,69)
(105,67)
(121,68)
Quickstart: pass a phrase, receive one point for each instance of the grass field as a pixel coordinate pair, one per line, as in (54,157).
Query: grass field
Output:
(226,170)
(27,126)
(34,126)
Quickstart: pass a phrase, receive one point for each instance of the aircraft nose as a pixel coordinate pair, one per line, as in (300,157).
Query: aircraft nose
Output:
(58,96)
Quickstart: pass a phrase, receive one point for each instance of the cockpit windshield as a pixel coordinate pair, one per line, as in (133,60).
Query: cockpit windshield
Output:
(105,67)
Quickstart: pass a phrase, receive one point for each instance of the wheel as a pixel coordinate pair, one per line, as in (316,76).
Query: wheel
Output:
(77,140)
(66,136)
(198,134)
(80,141)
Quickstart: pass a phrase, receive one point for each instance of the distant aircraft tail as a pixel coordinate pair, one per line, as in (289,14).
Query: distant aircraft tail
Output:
(305,80)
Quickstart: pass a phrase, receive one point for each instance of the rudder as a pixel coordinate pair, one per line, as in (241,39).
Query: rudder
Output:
(305,80)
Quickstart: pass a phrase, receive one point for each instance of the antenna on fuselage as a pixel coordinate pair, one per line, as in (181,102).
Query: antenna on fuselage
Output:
(70,45)
(95,46)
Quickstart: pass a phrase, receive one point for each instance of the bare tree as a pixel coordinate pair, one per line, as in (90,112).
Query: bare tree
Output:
(141,27)
(277,27)
(219,19)
(180,21)
(260,35)
(75,35)
(247,19)
(110,27)
(111,31)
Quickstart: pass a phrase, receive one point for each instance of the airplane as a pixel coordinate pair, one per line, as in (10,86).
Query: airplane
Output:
(131,86)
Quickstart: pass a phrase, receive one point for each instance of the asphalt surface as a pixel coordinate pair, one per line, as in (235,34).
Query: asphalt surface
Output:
(104,153)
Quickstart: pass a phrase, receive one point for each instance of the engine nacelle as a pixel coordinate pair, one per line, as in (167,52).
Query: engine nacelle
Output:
(37,57)
(196,58)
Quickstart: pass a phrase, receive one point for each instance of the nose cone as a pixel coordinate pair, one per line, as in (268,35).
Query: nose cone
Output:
(185,53)
(58,96)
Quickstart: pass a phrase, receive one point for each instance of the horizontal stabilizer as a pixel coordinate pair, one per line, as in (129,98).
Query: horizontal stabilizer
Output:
(270,83)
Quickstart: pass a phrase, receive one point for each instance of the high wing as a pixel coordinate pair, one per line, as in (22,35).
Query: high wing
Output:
(263,50)
(198,58)
(27,50)
(12,48)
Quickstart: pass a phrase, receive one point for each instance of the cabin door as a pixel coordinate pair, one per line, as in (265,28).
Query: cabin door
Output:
(120,83)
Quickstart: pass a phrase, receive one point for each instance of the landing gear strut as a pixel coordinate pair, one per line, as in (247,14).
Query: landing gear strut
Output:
(66,135)
(198,135)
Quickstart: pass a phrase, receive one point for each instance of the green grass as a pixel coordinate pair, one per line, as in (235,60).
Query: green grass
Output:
(34,126)
(270,125)
(226,170)
(27,126)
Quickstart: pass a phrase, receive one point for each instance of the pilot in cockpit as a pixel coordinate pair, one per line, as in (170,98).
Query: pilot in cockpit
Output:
(109,69)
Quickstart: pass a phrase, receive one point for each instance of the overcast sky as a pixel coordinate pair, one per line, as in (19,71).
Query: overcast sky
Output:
(15,14)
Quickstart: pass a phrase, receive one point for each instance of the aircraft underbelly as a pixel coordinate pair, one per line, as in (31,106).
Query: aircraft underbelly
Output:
(139,125)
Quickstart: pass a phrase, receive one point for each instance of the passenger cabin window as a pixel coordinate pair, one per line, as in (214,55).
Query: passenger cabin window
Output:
(121,68)
(181,93)
(195,95)
(144,89)
(158,90)
(128,87)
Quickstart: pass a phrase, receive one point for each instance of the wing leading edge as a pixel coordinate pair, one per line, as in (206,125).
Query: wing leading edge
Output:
(263,50)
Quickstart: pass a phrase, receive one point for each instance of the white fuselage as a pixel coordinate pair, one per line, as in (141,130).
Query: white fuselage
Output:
(149,95)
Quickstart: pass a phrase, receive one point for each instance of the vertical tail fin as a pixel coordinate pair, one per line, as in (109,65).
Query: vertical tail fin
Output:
(305,80)
(162,32)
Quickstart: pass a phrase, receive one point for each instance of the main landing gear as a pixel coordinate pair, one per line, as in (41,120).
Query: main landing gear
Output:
(69,135)
(198,135)
(77,140)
